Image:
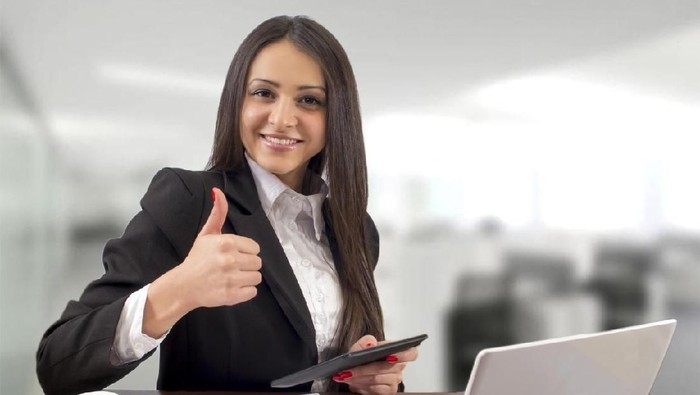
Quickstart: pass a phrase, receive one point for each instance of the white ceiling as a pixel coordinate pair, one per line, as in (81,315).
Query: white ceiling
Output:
(125,87)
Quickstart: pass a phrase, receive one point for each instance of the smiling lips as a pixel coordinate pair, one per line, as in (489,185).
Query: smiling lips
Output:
(281,144)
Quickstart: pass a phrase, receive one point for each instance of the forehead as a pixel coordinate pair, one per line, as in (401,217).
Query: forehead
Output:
(284,63)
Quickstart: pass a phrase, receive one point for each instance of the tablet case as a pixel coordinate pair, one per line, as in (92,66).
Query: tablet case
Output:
(347,361)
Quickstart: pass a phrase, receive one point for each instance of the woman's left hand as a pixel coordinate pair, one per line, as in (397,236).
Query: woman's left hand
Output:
(376,378)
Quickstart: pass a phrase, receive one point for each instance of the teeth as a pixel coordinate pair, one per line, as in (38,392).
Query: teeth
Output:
(276,140)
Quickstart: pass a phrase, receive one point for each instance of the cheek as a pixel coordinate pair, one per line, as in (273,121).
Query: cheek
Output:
(247,127)
(319,130)
(252,119)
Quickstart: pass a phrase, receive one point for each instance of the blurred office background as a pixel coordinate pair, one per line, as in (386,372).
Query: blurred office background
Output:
(533,164)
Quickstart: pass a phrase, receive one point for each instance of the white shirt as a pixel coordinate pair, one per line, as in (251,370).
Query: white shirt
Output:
(298,222)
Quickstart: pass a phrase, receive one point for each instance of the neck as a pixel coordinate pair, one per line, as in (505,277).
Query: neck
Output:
(294,179)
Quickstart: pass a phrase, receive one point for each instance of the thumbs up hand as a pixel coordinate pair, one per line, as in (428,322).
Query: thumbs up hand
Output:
(217,217)
(223,269)
(220,269)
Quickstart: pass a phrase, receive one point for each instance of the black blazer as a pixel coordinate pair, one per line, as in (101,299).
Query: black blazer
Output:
(241,347)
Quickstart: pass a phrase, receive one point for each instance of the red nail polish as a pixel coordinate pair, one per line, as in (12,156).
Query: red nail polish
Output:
(392,358)
(213,195)
(342,375)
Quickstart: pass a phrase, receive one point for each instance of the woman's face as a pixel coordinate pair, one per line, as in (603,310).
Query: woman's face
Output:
(283,118)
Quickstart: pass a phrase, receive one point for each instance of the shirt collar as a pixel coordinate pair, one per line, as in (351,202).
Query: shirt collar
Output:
(270,188)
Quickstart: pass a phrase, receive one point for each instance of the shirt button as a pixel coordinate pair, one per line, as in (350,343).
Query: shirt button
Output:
(292,226)
(305,262)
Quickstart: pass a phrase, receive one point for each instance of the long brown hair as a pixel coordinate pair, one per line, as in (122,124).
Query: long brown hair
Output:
(343,158)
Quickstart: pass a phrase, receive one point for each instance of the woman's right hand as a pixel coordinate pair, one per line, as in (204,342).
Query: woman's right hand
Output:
(220,269)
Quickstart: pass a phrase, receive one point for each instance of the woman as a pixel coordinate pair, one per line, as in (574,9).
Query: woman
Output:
(255,268)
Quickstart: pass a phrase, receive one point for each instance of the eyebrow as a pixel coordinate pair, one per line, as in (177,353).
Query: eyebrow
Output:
(277,85)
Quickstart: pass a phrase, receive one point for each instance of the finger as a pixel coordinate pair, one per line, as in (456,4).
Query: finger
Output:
(383,389)
(241,243)
(375,368)
(374,390)
(365,341)
(405,356)
(408,355)
(369,381)
(247,262)
(217,217)
(389,379)
(248,279)
(242,295)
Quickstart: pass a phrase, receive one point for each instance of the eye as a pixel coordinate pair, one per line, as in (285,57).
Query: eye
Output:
(262,93)
(310,101)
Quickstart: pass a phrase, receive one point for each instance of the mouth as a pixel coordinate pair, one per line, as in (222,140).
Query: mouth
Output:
(280,143)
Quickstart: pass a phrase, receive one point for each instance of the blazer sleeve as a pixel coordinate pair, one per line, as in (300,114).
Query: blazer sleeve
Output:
(74,353)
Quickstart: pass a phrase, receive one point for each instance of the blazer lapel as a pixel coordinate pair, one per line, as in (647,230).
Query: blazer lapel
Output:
(249,220)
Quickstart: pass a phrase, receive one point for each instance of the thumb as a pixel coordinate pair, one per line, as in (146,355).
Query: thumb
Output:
(365,341)
(217,217)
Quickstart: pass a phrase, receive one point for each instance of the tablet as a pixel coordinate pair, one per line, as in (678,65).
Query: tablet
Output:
(347,361)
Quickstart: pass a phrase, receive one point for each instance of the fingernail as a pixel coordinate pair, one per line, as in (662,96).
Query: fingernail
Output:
(213,195)
(392,358)
(342,375)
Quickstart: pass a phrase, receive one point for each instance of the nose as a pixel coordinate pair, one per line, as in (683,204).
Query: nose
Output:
(283,114)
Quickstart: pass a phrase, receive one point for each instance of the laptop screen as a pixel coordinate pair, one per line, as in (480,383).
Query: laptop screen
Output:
(619,362)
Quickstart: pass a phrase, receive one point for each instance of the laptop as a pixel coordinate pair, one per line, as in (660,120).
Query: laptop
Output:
(618,362)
